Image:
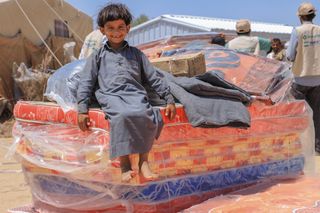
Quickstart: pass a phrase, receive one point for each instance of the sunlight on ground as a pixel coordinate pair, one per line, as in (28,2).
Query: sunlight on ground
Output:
(14,191)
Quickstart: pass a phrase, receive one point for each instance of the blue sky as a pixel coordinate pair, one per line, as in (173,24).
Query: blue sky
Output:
(274,11)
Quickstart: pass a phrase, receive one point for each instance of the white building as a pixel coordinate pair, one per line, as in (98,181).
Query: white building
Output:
(168,25)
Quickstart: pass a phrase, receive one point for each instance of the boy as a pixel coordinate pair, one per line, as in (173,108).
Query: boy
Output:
(120,71)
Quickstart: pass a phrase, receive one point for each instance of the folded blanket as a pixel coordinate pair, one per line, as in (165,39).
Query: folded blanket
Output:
(208,99)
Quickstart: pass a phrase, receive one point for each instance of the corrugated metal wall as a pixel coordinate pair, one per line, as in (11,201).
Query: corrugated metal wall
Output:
(162,28)
(156,31)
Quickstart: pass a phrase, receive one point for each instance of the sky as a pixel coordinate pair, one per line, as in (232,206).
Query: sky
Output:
(271,11)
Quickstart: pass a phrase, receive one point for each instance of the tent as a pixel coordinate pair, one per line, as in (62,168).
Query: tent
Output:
(31,30)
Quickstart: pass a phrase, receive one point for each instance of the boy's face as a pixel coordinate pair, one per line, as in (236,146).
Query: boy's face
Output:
(115,31)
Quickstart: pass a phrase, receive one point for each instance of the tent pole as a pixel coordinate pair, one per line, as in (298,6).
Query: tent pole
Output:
(37,32)
(61,19)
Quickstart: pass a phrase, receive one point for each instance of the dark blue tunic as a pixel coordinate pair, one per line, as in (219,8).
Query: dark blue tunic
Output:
(120,75)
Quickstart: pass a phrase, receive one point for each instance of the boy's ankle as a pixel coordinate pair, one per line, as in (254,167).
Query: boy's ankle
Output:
(146,171)
(140,164)
(127,176)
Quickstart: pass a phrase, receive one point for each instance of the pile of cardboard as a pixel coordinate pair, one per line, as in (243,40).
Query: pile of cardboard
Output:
(182,65)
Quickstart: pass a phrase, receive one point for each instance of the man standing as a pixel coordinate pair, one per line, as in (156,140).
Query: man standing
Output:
(244,42)
(304,51)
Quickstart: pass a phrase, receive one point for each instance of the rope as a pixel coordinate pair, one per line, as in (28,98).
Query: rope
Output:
(61,19)
(37,32)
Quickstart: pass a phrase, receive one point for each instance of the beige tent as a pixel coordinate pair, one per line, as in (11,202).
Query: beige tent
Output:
(26,24)
(44,15)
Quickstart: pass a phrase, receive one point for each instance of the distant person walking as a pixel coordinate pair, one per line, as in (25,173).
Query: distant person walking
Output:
(304,51)
(278,52)
(244,42)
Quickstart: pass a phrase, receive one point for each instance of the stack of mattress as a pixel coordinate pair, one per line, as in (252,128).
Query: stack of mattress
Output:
(70,169)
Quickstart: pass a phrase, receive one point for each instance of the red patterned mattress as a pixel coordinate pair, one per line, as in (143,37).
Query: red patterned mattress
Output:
(283,117)
(180,150)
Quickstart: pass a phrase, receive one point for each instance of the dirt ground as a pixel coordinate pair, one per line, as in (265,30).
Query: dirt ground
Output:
(5,128)
(14,192)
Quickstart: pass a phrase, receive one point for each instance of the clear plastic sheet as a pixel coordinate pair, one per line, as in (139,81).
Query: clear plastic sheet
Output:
(62,85)
(69,51)
(31,83)
(155,49)
(264,78)
(69,170)
(298,195)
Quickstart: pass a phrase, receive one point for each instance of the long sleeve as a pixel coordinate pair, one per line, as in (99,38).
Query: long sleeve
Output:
(293,43)
(88,79)
(155,80)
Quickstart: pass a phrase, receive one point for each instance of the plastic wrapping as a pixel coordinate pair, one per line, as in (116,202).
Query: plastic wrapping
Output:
(30,83)
(68,51)
(155,48)
(298,195)
(264,78)
(70,169)
(62,85)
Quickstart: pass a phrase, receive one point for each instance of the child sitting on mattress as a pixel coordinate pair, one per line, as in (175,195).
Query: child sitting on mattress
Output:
(119,70)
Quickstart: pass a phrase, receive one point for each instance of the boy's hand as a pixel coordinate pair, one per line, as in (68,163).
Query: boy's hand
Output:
(171,111)
(83,122)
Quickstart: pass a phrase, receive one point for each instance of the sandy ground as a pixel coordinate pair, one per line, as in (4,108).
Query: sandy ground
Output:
(14,192)
(5,128)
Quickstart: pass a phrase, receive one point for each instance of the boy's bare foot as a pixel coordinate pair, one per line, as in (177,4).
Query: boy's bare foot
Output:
(127,176)
(146,171)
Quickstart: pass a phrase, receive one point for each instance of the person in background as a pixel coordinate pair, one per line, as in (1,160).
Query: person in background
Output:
(265,46)
(120,72)
(278,52)
(244,42)
(92,43)
(304,52)
(219,40)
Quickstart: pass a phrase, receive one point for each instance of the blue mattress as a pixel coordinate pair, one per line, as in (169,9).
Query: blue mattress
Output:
(169,188)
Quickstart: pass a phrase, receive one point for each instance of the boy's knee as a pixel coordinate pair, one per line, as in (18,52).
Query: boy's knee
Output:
(132,114)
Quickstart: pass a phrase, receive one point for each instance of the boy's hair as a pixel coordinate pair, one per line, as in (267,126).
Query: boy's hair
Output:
(113,12)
